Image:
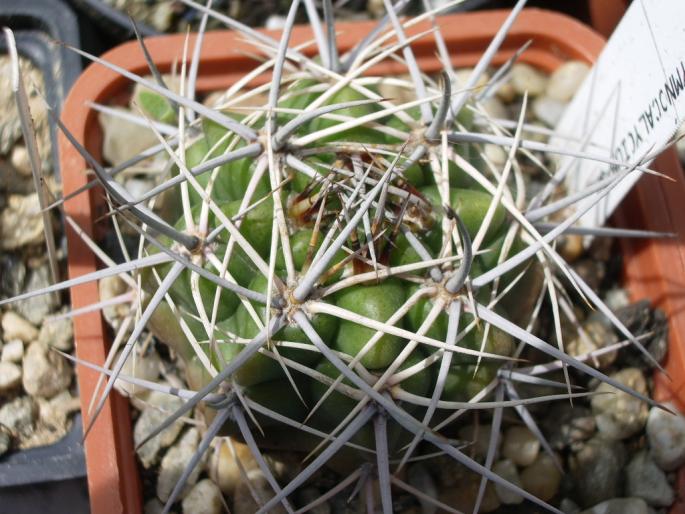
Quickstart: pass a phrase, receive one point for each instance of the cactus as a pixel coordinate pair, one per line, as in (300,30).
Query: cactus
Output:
(342,273)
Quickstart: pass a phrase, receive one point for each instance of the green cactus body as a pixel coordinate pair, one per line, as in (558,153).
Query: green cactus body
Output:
(317,204)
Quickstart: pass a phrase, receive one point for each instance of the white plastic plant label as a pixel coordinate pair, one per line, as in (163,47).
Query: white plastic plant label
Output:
(631,103)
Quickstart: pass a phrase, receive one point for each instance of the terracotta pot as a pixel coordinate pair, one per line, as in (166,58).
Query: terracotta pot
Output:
(654,269)
(605,14)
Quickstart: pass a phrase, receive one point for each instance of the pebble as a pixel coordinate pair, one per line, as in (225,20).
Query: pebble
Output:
(5,440)
(35,309)
(571,247)
(419,478)
(506,92)
(597,470)
(566,80)
(618,414)
(111,287)
(162,16)
(144,366)
(526,78)
(20,160)
(10,125)
(478,436)
(568,426)
(395,91)
(157,409)
(203,498)
(123,139)
(507,470)
(568,506)
(54,413)
(463,496)
(12,351)
(21,222)
(137,187)
(223,468)
(496,154)
(174,462)
(620,506)
(46,373)
(548,110)
(10,376)
(641,318)
(645,480)
(154,506)
(18,415)
(275,22)
(462,76)
(542,477)
(666,436)
(520,445)
(495,108)
(12,273)
(59,334)
(599,335)
(243,503)
(616,298)
(16,327)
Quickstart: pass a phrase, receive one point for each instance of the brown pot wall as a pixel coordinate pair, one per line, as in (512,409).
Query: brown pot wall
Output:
(605,14)
(654,269)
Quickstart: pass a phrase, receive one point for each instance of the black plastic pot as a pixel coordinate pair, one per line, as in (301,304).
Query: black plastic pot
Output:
(47,478)
(37,25)
(115,23)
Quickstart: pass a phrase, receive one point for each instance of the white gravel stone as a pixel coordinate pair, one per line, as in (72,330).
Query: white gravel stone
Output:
(620,506)
(496,154)
(645,480)
(123,139)
(666,436)
(618,414)
(495,108)
(16,327)
(20,160)
(10,376)
(462,76)
(5,440)
(37,308)
(506,92)
(174,462)
(542,477)
(111,287)
(204,498)
(59,334)
(478,436)
(548,110)
(13,351)
(520,445)
(566,80)
(145,366)
(599,335)
(508,471)
(54,413)
(223,467)
(243,503)
(158,407)
(18,415)
(526,78)
(46,373)
(21,222)
(138,186)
